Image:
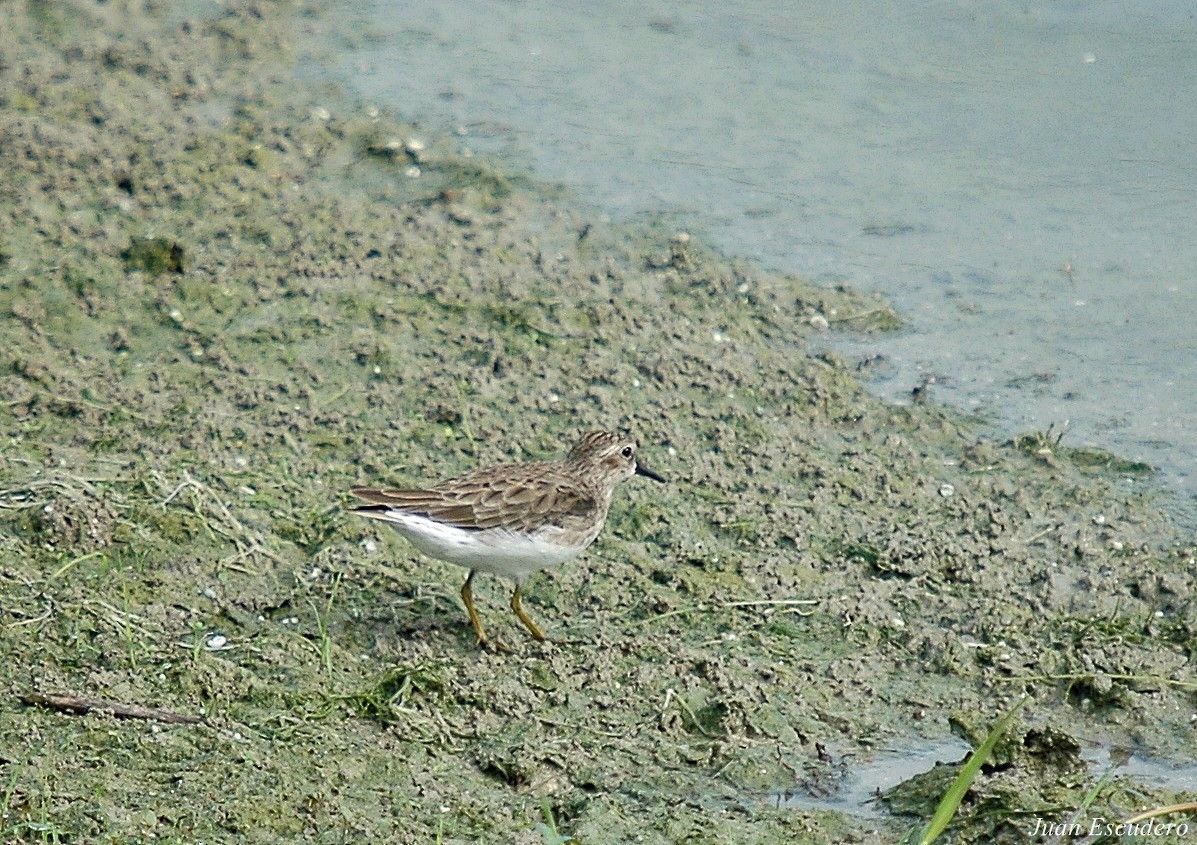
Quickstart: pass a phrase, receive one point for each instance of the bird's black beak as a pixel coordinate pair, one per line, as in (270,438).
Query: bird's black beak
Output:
(641,469)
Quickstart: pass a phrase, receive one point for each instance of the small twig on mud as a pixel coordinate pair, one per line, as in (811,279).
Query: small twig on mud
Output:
(792,605)
(81,706)
(1039,535)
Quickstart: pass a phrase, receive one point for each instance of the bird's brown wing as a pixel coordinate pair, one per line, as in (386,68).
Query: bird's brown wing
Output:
(517,497)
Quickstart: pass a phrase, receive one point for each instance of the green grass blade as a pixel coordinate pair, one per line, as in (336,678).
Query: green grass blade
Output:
(955,794)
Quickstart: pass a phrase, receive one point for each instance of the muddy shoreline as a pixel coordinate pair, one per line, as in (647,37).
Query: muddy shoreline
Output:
(228,298)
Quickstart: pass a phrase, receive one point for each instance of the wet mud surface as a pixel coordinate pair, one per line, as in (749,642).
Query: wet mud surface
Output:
(228,297)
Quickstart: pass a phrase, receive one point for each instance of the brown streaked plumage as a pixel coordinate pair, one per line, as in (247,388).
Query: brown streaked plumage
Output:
(512,519)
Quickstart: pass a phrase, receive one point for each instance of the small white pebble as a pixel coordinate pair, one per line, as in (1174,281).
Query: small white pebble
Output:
(321,114)
(1088,58)
(210,593)
(216,641)
(241,462)
(412,172)
(413,145)
(818,321)
(946,490)
(1116,545)
(1100,519)
(369,546)
(176,315)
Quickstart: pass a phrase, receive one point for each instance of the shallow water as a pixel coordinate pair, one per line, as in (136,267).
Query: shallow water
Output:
(1018,180)
(856,794)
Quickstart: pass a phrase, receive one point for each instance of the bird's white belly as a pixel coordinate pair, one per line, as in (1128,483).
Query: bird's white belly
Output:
(489,550)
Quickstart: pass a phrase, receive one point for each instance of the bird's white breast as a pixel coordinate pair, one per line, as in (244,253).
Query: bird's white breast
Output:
(496,550)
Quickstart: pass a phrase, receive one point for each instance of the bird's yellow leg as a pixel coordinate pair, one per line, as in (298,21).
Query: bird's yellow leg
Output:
(525,618)
(467,596)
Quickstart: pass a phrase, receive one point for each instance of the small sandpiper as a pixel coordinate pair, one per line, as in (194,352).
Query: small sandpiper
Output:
(512,519)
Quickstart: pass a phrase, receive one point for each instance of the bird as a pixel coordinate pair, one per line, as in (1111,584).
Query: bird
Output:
(512,519)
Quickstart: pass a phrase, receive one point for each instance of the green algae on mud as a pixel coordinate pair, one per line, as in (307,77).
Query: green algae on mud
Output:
(826,571)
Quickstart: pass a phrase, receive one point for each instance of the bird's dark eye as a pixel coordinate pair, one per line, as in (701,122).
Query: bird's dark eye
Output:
(627,452)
